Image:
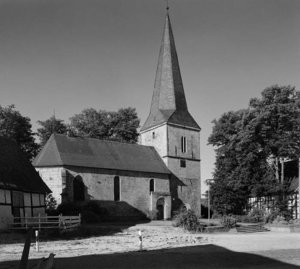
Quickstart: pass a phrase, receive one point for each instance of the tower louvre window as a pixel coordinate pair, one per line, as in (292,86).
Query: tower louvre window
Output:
(183,144)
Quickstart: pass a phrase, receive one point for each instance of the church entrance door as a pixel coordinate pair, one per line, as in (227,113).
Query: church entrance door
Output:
(160,205)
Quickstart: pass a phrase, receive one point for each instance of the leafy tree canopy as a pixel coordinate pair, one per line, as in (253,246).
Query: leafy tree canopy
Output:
(15,126)
(50,126)
(246,143)
(118,126)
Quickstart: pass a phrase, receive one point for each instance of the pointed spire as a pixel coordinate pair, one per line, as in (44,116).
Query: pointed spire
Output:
(168,100)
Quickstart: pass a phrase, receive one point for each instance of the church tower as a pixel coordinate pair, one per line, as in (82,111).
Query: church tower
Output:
(171,129)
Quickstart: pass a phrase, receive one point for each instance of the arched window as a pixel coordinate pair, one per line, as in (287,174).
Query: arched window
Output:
(78,189)
(117,188)
(151,185)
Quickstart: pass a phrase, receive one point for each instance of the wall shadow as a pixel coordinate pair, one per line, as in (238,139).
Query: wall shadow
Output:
(206,256)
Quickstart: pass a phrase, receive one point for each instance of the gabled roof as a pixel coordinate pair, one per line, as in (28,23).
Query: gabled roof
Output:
(168,101)
(16,171)
(62,150)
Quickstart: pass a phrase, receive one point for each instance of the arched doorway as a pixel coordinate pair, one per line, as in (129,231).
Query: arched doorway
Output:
(78,189)
(160,206)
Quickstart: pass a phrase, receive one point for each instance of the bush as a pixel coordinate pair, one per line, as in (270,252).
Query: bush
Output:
(91,211)
(280,220)
(69,208)
(187,220)
(228,222)
(96,208)
(256,215)
(294,221)
(89,216)
(152,214)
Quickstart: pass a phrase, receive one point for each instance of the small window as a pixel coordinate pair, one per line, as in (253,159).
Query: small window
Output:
(151,185)
(182,163)
(153,135)
(117,188)
(183,144)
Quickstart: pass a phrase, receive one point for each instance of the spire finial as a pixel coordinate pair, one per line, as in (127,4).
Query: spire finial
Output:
(167,6)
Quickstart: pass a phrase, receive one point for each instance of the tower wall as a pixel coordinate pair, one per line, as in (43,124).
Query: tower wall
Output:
(182,161)
(186,183)
(156,137)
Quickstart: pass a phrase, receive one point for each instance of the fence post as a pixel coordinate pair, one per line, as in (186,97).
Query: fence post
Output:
(26,221)
(25,253)
(39,221)
(59,221)
(79,219)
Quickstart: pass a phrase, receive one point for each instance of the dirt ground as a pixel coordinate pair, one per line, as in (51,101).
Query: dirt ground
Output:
(164,247)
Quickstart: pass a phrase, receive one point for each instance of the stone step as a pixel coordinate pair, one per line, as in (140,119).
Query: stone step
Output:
(255,228)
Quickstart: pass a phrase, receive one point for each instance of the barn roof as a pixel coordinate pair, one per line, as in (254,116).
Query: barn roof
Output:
(62,150)
(16,171)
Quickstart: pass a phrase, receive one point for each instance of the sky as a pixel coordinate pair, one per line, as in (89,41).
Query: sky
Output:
(68,55)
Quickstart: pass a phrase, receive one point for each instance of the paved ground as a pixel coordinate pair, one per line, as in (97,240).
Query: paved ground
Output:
(166,247)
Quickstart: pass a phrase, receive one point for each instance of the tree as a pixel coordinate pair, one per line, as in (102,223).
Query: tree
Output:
(50,126)
(117,126)
(246,142)
(15,126)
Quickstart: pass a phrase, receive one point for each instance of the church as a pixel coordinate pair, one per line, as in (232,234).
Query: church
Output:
(153,178)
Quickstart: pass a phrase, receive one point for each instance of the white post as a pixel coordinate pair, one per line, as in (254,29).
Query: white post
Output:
(140,241)
(26,226)
(37,240)
(208,204)
(298,204)
(39,221)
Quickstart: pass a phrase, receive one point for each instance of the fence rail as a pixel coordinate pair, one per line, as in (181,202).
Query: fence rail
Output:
(47,222)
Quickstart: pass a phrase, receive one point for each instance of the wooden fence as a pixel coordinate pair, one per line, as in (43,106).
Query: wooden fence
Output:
(47,222)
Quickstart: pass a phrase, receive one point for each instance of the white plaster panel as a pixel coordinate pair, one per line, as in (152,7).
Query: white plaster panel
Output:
(28,211)
(5,216)
(8,196)
(38,210)
(42,199)
(27,199)
(35,199)
(2,196)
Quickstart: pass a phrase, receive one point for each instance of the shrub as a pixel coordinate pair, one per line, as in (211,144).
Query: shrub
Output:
(216,216)
(89,216)
(256,215)
(294,221)
(91,211)
(69,208)
(280,220)
(51,204)
(228,222)
(187,220)
(152,214)
(96,208)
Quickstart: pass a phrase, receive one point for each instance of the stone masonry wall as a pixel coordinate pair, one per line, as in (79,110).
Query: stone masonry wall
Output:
(190,192)
(52,176)
(157,138)
(134,189)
